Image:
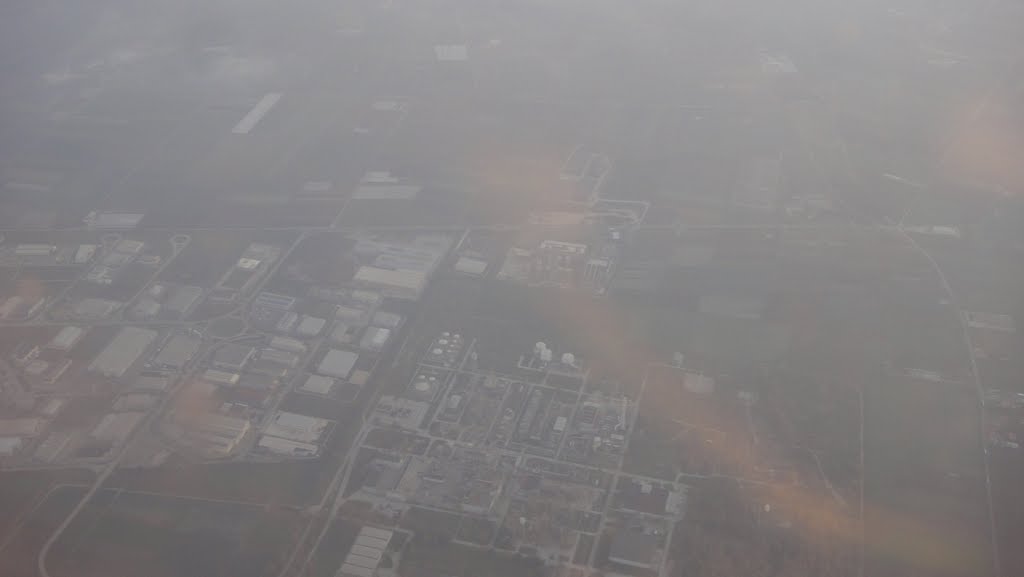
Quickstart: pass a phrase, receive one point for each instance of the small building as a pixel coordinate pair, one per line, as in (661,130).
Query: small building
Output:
(274,301)
(375,339)
(34,249)
(287,344)
(85,253)
(222,378)
(9,446)
(351,315)
(387,320)
(471,266)
(112,220)
(310,327)
(342,334)
(451,52)
(337,363)
(633,549)
(400,412)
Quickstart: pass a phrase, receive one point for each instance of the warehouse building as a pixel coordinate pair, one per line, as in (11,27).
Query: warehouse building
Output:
(397,283)
(178,351)
(287,447)
(233,357)
(26,427)
(318,385)
(296,427)
(337,363)
(66,339)
(366,553)
(375,339)
(121,354)
(633,549)
(115,428)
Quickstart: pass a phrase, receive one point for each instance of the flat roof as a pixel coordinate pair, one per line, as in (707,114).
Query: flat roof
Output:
(354,571)
(632,548)
(250,120)
(122,352)
(318,384)
(377,533)
(338,363)
(386,191)
(372,542)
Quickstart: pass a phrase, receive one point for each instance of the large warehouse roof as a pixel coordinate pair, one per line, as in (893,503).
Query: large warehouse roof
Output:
(337,363)
(123,351)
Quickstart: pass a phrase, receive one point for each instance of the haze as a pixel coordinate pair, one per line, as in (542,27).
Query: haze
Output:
(511,288)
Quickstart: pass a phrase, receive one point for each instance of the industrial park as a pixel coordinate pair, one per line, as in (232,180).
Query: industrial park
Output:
(510,289)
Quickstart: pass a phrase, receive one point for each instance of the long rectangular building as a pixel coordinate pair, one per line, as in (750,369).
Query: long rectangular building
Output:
(123,352)
(404,284)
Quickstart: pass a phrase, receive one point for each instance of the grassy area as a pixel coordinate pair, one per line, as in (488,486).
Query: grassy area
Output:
(924,485)
(427,557)
(134,534)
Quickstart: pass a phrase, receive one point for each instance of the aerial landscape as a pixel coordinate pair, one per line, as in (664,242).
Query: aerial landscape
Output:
(464,288)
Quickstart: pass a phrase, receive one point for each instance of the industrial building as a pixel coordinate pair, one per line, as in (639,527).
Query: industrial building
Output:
(9,446)
(94,308)
(112,220)
(397,283)
(471,266)
(222,378)
(121,354)
(66,339)
(366,553)
(115,428)
(176,352)
(213,433)
(287,344)
(375,339)
(18,307)
(633,549)
(233,357)
(182,300)
(24,427)
(296,427)
(274,301)
(387,320)
(318,385)
(34,249)
(310,326)
(279,357)
(399,412)
(287,447)
(337,363)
